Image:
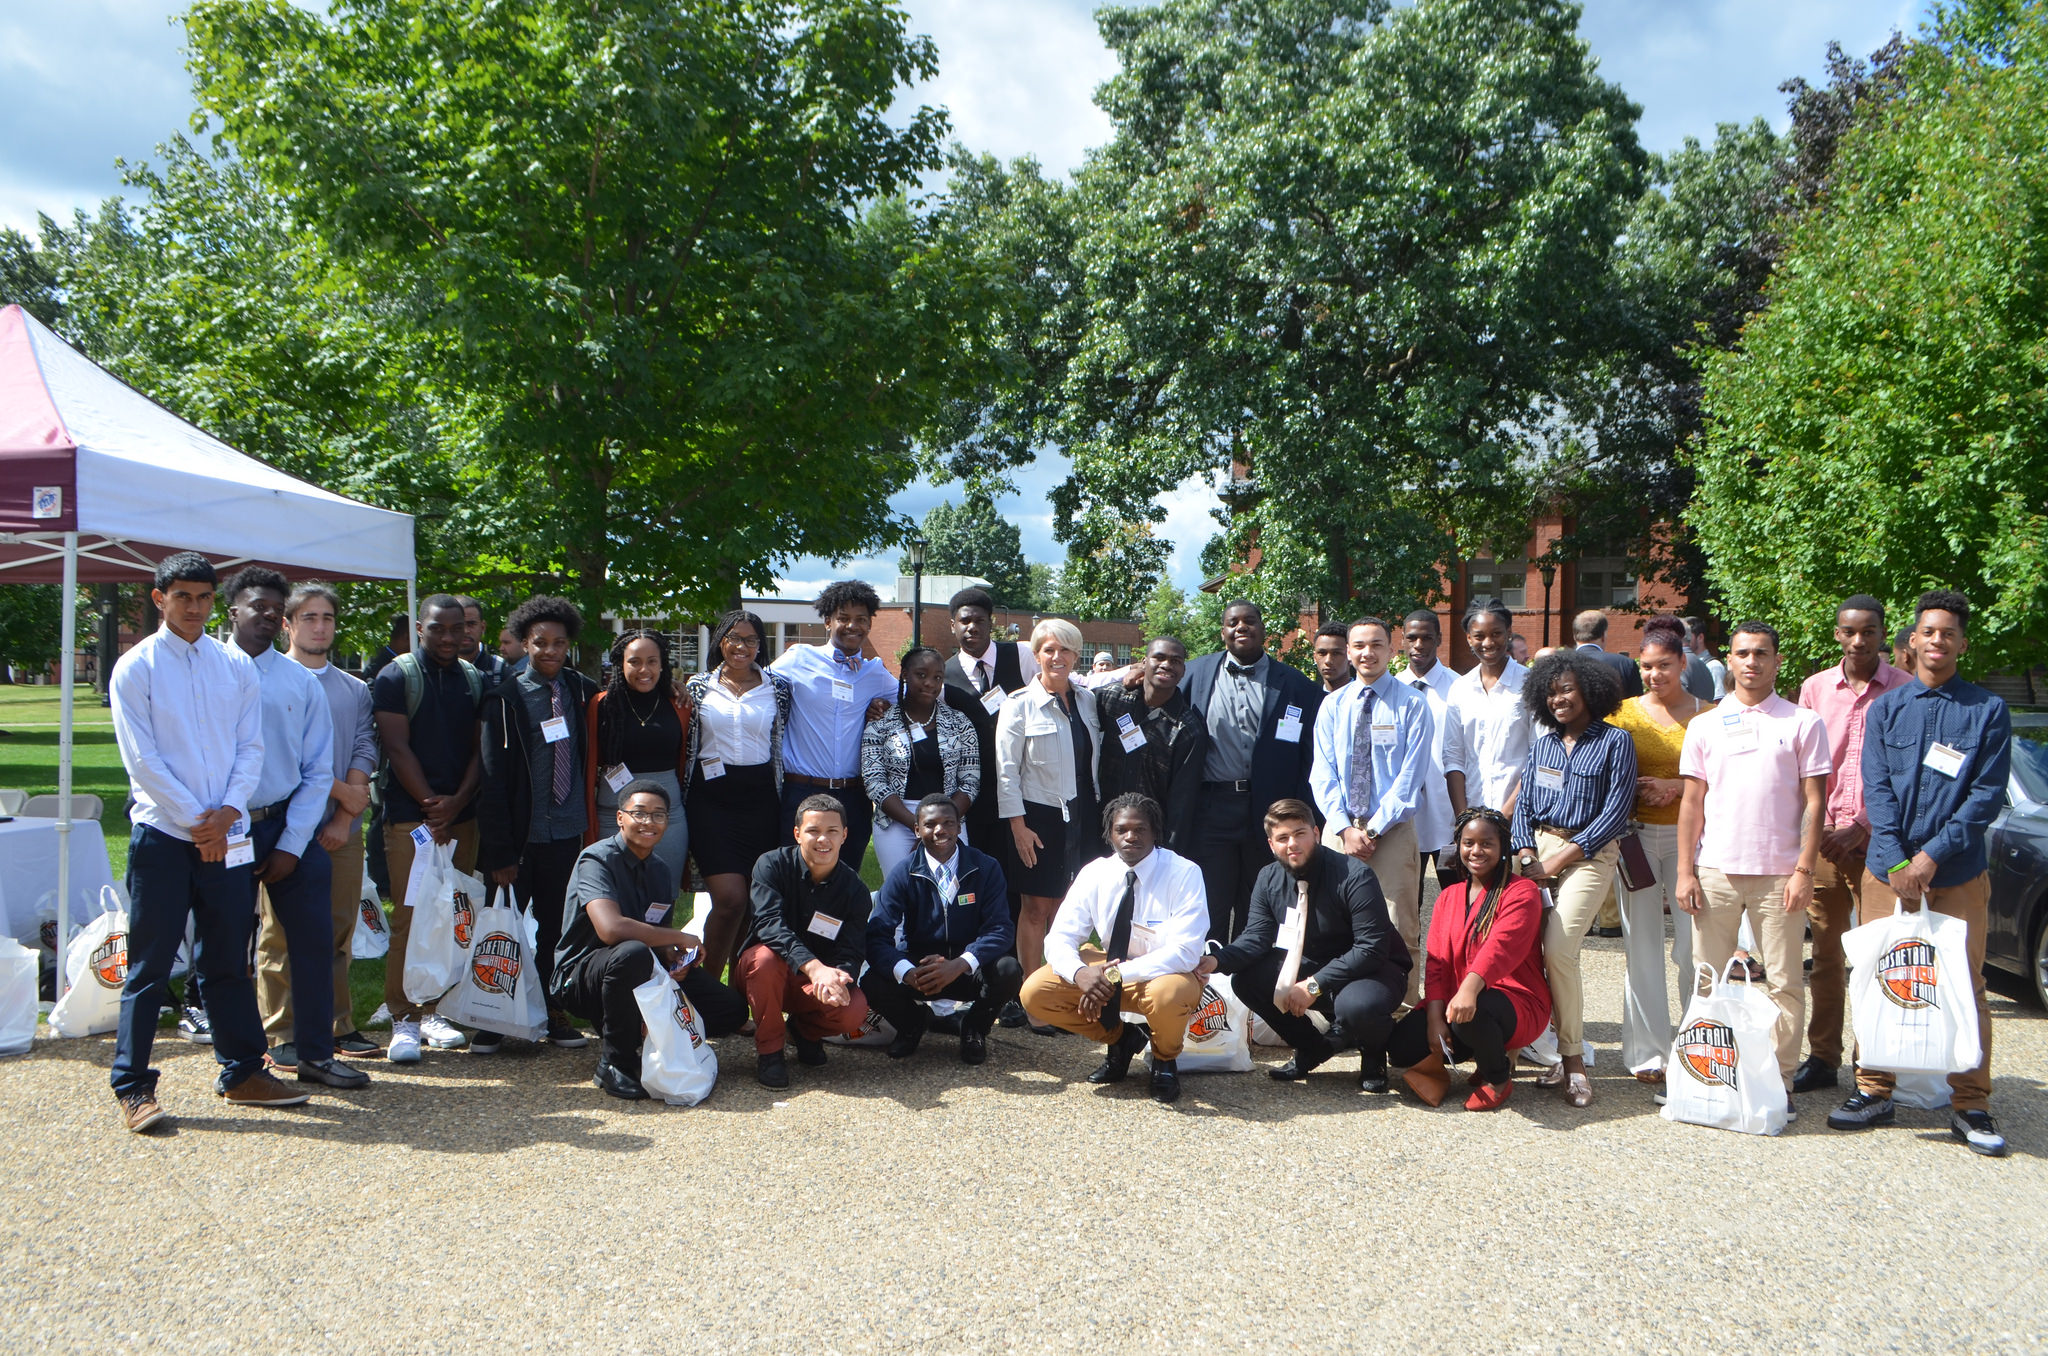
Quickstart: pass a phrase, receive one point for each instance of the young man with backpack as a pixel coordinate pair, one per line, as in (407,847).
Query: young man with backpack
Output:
(426,704)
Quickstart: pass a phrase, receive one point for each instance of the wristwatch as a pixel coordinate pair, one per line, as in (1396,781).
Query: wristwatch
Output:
(1315,990)
(1113,973)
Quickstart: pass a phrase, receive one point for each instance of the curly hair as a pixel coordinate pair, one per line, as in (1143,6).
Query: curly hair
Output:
(859,592)
(1143,804)
(618,694)
(542,608)
(1598,686)
(1941,600)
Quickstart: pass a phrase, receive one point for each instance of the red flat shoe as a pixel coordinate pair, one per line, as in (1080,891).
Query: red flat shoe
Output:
(1485,1098)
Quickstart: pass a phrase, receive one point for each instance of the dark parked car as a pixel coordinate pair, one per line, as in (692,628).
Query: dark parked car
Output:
(2018,940)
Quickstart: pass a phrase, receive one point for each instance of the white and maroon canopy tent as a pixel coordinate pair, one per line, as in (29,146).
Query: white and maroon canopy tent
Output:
(99,482)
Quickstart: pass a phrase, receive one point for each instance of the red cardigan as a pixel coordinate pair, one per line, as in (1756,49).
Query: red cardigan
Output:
(1509,958)
(593,830)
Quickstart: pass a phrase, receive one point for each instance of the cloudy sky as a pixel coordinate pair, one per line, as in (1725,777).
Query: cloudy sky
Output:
(93,81)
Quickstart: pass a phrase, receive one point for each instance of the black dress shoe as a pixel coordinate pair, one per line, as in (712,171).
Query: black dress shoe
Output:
(1300,1066)
(1812,1075)
(973,1046)
(621,1085)
(904,1046)
(1013,1014)
(1372,1077)
(1609,933)
(948,1025)
(1165,1080)
(772,1070)
(331,1072)
(808,1051)
(1116,1059)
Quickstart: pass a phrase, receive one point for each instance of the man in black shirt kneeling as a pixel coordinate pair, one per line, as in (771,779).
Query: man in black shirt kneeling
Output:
(619,900)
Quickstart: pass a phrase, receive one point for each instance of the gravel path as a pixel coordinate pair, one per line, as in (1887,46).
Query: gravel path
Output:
(504,1204)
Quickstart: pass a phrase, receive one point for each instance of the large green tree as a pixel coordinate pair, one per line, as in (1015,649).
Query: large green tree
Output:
(655,250)
(972,538)
(1883,426)
(1359,251)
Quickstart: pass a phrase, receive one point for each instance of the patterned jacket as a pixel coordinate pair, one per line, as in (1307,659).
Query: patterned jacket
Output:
(885,755)
(700,684)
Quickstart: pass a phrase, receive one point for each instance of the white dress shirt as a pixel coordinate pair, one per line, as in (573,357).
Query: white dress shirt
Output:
(1169,922)
(189,723)
(981,673)
(736,729)
(830,708)
(1497,731)
(1447,754)
(298,747)
(1401,762)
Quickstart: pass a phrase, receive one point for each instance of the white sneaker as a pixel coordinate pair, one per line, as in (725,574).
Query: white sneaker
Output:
(405,1043)
(381,1017)
(441,1033)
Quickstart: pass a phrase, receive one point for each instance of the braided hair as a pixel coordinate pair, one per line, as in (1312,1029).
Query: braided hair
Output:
(724,627)
(611,722)
(903,673)
(1481,921)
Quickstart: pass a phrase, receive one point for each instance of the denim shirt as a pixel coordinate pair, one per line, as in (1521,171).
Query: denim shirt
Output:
(1913,807)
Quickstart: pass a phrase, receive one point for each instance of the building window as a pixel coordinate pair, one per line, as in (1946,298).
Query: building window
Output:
(689,651)
(1505,580)
(1604,582)
(804,633)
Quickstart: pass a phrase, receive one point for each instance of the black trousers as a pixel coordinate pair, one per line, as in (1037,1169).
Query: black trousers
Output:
(1230,847)
(988,989)
(1483,1040)
(860,816)
(1361,1012)
(599,989)
(542,890)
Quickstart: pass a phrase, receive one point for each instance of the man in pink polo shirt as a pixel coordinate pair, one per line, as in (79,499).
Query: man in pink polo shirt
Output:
(1841,697)
(1755,771)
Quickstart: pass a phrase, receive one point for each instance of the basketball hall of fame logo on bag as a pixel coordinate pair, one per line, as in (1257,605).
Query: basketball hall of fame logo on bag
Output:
(1706,1049)
(687,1022)
(494,962)
(1906,971)
(1212,1019)
(373,916)
(109,961)
(465,918)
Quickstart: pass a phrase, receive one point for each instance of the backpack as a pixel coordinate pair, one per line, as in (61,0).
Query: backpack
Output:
(408,666)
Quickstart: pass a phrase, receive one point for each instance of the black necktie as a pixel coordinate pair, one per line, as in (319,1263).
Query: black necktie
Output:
(1119,943)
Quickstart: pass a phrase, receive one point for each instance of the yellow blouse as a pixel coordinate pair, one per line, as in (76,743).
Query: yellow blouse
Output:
(1657,749)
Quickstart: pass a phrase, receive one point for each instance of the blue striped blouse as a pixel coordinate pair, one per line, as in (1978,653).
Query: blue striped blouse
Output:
(1597,793)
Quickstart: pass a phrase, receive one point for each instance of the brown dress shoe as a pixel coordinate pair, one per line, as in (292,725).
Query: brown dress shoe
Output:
(262,1088)
(139,1111)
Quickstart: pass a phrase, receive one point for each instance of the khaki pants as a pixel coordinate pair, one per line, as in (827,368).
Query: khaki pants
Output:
(1837,896)
(1971,902)
(1779,939)
(1396,863)
(1585,885)
(273,968)
(398,855)
(1166,1003)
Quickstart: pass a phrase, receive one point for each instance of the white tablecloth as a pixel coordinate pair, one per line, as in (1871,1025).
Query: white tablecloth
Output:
(28,874)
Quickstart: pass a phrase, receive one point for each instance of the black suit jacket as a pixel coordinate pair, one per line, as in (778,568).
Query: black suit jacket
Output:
(1624,668)
(1349,935)
(981,812)
(1279,770)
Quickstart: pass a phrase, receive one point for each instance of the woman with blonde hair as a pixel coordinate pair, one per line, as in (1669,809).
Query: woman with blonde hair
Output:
(1048,768)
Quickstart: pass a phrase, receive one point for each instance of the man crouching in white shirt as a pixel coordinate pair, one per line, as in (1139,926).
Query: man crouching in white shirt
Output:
(1148,905)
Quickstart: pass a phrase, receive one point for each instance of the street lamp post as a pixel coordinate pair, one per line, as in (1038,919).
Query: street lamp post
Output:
(917,545)
(1548,569)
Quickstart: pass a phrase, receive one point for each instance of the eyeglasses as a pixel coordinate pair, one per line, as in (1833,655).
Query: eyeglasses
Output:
(647,816)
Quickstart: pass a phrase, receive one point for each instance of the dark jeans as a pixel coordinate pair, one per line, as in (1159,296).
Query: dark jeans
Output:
(542,891)
(1361,1012)
(599,989)
(988,989)
(860,817)
(167,883)
(1483,1040)
(303,904)
(1230,847)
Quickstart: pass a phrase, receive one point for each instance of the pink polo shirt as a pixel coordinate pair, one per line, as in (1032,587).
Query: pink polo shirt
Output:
(1752,759)
(1843,709)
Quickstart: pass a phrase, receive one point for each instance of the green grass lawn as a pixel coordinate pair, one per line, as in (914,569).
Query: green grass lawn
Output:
(28,755)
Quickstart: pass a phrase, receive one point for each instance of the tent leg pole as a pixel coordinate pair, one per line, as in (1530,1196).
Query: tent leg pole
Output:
(67,662)
(412,610)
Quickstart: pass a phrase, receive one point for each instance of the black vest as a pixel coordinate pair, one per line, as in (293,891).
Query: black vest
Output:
(1009,672)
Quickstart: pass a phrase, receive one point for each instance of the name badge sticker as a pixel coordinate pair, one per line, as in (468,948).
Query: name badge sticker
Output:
(1290,928)
(992,700)
(918,733)
(825,925)
(555,729)
(1383,735)
(842,691)
(714,768)
(421,836)
(1737,734)
(1288,731)
(1128,733)
(1550,778)
(656,913)
(617,777)
(241,852)
(1142,938)
(1945,760)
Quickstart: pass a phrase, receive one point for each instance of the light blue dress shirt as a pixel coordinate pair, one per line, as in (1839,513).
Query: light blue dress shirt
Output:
(188,719)
(1398,767)
(830,707)
(298,747)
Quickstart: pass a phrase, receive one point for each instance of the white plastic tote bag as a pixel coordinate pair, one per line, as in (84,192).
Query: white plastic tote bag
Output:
(676,1062)
(95,966)
(1219,1034)
(1911,990)
(443,922)
(19,967)
(499,987)
(1723,1070)
(373,935)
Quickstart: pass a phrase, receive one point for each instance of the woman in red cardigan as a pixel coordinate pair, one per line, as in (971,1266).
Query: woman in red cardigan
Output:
(1484,988)
(637,727)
